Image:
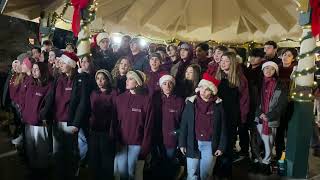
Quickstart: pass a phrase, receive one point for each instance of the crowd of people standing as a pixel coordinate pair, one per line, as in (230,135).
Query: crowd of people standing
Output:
(167,108)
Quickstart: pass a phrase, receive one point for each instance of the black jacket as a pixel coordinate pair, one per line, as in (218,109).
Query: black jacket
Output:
(79,102)
(5,95)
(187,129)
(103,59)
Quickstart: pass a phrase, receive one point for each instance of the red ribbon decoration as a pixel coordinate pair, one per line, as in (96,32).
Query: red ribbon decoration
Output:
(315,17)
(78,5)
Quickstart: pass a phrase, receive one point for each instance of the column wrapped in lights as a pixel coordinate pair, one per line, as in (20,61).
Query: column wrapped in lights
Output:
(87,16)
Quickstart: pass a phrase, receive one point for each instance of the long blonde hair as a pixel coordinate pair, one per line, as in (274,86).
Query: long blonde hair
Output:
(115,71)
(234,72)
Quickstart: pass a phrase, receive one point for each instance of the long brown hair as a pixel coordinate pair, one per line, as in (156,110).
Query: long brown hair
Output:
(21,76)
(44,73)
(115,71)
(234,72)
(91,66)
(196,74)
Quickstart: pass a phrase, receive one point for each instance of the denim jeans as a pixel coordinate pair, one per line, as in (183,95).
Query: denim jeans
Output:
(204,164)
(126,161)
(83,144)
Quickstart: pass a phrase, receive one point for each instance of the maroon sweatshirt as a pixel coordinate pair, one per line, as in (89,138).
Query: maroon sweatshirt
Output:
(212,68)
(172,108)
(153,81)
(135,120)
(284,74)
(62,98)
(102,111)
(204,119)
(14,90)
(23,89)
(34,102)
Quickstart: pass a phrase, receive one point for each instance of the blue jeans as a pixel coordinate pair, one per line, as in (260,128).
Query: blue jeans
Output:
(171,153)
(83,144)
(204,164)
(126,160)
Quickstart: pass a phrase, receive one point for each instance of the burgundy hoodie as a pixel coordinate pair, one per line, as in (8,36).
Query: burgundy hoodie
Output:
(14,90)
(102,111)
(34,102)
(204,119)
(62,98)
(153,81)
(172,108)
(212,68)
(135,120)
(23,89)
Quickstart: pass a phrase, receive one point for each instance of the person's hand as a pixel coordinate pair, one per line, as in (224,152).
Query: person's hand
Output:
(74,130)
(44,123)
(183,150)
(263,116)
(218,153)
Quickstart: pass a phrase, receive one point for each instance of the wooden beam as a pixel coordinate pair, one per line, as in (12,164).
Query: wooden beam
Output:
(251,28)
(124,14)
(22,6)
(119,6)
(241,27)
(150,13)
(257,21)
(212,16)
(280,14)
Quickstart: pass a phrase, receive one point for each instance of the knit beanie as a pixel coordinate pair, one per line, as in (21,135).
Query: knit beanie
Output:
(165,78)
(106,73)
(138,76)
(272,64)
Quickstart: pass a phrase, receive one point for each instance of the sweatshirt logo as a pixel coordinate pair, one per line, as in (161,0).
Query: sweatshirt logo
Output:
(68,89)
(135,110)
(172,111)
(39,94)
(209,113)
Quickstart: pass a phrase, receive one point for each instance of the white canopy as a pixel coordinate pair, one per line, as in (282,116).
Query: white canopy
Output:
(232,21)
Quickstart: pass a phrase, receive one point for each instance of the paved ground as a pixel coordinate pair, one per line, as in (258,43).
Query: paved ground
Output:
(13,168)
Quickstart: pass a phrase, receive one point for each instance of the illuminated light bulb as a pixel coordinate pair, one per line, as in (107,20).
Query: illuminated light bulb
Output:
(143,42)
(294,93)
(301,94)
(307,69)
(117,39)
(310,95)
(299,74)
(292,97)
(90,54)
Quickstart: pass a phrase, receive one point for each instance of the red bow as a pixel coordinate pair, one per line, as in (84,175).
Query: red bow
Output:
(78,5)
(315,18)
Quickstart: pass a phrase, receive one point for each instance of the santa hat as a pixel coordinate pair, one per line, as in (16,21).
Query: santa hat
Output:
(272,64)
(165,78)
(138,76)
(102,36)
(209,82)
(69,58)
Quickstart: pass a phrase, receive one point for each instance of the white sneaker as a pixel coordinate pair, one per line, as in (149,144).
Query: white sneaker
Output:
(18,140)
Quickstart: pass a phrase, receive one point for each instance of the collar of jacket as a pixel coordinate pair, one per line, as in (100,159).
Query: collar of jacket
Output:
(193,98)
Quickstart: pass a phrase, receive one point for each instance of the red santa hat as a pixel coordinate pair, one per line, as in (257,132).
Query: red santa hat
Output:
(210,82)
(69,58)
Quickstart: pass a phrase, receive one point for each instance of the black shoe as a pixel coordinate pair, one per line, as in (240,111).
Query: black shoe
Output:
(244,154)
(266,169)
(316,152)
(254,167)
